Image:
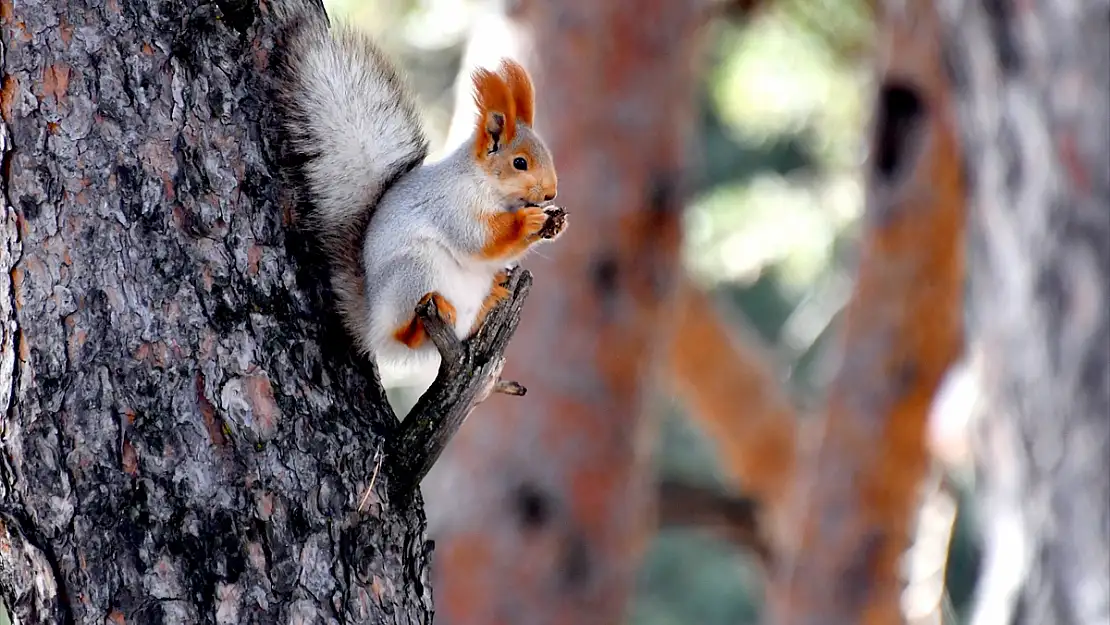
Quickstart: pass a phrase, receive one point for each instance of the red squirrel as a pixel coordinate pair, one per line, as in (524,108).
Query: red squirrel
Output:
(397,229)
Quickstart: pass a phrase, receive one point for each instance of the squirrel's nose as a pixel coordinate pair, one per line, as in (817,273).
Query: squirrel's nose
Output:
(550,196)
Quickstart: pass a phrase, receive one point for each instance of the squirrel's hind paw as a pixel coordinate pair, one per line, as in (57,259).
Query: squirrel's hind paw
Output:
(445,308)
(412,333)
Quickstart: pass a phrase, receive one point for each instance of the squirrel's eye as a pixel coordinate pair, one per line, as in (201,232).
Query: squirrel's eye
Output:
(520,163)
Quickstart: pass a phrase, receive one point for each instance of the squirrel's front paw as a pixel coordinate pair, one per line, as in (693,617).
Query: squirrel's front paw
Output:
(502,279)
(500,289)
(533,219)
(554,223)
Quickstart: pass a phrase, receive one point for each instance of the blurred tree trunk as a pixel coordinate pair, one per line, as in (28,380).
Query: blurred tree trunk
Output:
(181,442)
(859,494)
(713,363)
(550,496)
(1033,88)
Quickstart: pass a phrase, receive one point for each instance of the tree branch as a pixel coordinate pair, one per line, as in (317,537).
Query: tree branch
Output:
(469,372)
(733,518)
(724,377)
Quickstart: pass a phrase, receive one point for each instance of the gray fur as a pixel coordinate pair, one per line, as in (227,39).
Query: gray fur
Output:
(352,118)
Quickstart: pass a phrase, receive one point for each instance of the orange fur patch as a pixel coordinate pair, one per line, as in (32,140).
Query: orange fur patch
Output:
(512,233)
(520,85)
(496,294)
(412,333)
(492,98)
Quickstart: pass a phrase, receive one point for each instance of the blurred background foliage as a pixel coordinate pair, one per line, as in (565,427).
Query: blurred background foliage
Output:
(778,194)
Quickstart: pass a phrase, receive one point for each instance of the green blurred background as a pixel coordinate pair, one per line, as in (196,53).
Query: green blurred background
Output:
(783,114)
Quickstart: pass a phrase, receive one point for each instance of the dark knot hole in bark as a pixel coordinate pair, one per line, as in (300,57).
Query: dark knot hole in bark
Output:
(534,507)
(901,120)
(238,14)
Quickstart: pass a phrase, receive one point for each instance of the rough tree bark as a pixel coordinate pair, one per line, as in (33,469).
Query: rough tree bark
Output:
(1033,86)
(186,437)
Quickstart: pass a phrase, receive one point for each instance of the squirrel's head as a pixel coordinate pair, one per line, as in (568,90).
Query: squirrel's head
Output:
(505,146)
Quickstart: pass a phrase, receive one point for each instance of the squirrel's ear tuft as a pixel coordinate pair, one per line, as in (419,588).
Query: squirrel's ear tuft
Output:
(520,85)
(496,112)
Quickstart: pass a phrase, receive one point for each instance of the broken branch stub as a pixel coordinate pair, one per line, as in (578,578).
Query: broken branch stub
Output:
(469,372)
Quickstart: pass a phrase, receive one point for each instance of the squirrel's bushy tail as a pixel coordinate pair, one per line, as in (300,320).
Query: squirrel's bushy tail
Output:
(351,129)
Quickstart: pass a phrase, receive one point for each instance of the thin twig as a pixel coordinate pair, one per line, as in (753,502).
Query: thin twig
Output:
(373,478)
(508,387)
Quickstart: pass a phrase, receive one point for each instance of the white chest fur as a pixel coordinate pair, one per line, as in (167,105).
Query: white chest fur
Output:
(430,267)
(465,288)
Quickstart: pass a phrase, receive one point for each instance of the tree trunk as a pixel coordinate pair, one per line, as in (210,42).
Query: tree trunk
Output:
(1033,85)
(185,438)
(859,493)
(556,502)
